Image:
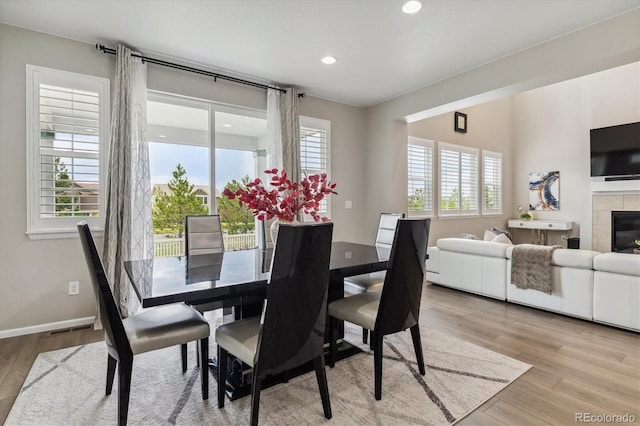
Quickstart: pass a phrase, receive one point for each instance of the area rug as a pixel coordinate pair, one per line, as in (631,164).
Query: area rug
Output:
(66,387)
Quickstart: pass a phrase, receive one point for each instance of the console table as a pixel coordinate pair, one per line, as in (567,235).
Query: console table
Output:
(541,226)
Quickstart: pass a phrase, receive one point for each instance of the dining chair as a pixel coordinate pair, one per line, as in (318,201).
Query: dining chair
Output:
(397,306)
(203,237)
(290,331)
(374,280)
(152,329)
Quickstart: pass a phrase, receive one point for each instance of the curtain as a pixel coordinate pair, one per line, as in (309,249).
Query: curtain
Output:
(128,233)
(290,129)
(274,134)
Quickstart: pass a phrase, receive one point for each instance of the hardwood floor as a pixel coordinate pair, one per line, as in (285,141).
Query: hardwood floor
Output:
(578,366)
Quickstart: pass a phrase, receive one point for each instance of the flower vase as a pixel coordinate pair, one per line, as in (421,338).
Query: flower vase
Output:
(275,225)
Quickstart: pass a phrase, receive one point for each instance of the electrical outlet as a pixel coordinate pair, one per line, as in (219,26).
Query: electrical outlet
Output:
(74,288)
(348,204)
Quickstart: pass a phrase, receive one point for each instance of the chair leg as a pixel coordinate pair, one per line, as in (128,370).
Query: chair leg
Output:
(222,375)
(321,376)
(365,335)
(376,340)
(417,346)
(204,369)
(183,355)
(111,372)
(332,341)
(255,399)
(125,367)
(197,355)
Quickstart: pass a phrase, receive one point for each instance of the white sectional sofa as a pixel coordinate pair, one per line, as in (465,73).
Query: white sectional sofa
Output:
(472,265)
(571,284)
(616,292)
(585,284)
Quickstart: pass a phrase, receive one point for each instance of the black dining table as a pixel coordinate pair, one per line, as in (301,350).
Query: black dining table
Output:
(239,276)
(211,277)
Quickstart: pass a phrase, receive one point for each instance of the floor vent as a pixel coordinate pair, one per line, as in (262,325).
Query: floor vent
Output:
(68,330)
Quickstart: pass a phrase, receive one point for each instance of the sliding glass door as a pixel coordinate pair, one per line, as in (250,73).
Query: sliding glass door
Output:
(196,149)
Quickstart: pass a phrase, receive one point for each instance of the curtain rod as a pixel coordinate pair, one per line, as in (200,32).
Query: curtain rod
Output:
(104,49)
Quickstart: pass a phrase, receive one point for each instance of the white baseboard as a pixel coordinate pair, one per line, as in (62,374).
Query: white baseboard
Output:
(58,325)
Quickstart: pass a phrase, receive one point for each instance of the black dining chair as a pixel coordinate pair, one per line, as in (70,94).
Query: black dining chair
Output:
(290,331)
(374,280)
(397,306)
(155,328)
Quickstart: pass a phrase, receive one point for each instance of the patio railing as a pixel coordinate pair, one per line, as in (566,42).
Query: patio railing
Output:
(163,246)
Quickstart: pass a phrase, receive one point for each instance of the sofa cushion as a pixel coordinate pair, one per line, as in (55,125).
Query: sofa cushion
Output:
(477,247)
(579,259)
(618,263)
(502,238)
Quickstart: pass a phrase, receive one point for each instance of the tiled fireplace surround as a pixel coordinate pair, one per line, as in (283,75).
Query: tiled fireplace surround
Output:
(603,205)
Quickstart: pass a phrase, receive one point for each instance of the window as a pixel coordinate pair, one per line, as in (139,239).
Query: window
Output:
(315,135)
(458,180)
(210,146)
(67,122)
(491,182)
(420,177)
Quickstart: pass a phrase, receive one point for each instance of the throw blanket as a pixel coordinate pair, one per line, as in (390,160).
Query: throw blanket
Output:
(531,267)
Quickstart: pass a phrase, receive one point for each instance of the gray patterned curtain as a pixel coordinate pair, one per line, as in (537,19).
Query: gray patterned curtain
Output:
(290,130)
(128,233)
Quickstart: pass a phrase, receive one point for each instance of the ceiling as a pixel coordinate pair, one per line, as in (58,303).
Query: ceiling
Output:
(381,52)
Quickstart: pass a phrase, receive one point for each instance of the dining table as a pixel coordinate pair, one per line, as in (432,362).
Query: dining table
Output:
(241,278)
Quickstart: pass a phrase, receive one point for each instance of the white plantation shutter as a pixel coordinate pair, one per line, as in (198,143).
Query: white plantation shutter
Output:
(69,152)
(420,176)
(314,152)
(491,182)
(67,122)
(458,180)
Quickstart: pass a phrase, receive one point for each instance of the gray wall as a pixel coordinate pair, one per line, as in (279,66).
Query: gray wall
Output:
(34,275)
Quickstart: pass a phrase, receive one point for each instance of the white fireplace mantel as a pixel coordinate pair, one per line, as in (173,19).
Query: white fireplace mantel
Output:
(616,186)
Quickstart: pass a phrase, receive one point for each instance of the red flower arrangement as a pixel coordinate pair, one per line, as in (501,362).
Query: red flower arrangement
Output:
(287,199)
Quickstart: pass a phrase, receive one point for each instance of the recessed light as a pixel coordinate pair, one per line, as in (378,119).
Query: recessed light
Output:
(412,7)
(329,60)
(226,125)
(162,136)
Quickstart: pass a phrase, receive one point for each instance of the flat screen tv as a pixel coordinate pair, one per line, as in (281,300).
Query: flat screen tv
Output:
(615,151)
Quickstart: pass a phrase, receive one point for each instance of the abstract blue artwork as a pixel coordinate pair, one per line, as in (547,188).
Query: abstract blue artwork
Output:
(544,190)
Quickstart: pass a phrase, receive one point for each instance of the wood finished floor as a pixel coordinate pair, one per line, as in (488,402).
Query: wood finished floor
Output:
(578,366)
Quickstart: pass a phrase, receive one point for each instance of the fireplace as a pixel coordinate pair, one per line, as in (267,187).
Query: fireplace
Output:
(625,230)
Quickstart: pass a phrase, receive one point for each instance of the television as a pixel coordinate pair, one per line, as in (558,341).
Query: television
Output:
(615,151)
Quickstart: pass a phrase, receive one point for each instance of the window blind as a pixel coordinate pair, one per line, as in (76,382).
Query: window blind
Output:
(458,180)
(69,150)
(313,155)
(420,176)
(491,182)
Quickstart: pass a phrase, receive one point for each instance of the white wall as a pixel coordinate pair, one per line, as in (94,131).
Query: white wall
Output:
(602,46)
(34,275)
(551,132)
(488,127)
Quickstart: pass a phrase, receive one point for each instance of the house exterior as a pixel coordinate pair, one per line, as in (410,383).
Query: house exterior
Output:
(202,191)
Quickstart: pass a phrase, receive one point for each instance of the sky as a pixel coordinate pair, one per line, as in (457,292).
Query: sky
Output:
(230,164)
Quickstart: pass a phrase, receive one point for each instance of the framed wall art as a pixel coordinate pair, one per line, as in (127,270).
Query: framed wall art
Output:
(544,191)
